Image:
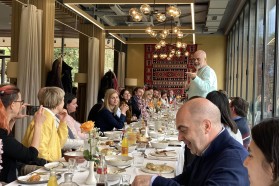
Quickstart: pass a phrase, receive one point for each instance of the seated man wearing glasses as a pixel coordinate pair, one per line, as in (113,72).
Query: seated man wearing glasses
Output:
(202,81)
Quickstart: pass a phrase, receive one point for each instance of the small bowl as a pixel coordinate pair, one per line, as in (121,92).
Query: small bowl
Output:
(117,134)
(119,160)
(78,155)
(131,148)
(104,138)
(153,134)
(159,144)
(109,134)
(151,127)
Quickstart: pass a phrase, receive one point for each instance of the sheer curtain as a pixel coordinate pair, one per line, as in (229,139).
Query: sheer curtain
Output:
(29,61)
(92,73)
(121,69)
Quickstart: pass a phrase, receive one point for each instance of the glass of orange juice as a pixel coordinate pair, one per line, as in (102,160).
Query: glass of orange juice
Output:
(132,138)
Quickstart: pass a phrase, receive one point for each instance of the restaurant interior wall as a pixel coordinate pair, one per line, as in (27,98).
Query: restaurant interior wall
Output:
(135,62)
(214,46)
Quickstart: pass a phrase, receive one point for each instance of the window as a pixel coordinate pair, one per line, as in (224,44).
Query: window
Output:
(251,60)
(109,55)
(5,53)
(251,50)
(70,55)
(269,57)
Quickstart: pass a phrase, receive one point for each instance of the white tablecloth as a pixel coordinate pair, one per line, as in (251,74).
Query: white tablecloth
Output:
(79,177)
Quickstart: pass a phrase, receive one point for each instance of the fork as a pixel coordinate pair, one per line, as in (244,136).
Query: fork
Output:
(63,166)
(121,169)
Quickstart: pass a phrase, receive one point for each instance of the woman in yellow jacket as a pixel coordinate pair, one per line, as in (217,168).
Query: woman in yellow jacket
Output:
(54,129)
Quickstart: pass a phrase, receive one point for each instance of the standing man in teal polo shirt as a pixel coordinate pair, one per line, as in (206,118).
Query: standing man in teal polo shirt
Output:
(202,81)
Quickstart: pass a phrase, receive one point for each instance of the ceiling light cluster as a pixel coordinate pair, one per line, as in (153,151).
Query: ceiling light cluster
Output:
(165,32)
(172,50)
(176,50)
(145,9)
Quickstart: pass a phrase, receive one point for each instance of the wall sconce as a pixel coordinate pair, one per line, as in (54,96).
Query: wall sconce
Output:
(12,69)
(80,77)
(132,82)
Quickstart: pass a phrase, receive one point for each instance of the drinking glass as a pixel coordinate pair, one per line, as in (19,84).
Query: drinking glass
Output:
(72,163)
(132,138)
(113,180)
(126,180)
(141,147)
(138,159)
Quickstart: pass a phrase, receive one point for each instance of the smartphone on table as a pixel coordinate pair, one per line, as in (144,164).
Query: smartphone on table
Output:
(31,109)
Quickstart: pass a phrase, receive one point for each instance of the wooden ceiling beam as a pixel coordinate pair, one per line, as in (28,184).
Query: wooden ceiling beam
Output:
(137,28)
(141,32)
(127,1)
(141,29)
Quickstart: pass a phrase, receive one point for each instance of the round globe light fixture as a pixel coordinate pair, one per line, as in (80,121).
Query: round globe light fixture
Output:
(161,17)
(137,17)
(133,11)
(145,9)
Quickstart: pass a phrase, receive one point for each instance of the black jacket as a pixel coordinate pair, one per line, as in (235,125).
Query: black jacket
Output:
(13,151)
(67,77)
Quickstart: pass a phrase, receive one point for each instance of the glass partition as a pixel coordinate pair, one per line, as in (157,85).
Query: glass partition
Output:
(269,58)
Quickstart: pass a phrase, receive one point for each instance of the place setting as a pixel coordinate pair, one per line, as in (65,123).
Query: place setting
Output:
(36,178)
(169,155)
(157,168)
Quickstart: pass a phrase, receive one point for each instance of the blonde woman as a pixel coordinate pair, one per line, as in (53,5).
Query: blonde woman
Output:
(106,119)
(54,129)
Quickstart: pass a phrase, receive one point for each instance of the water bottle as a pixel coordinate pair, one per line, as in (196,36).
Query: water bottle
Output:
(102,170)
(124,146)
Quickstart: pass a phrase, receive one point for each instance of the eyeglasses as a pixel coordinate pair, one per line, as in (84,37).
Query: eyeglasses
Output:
(20,101)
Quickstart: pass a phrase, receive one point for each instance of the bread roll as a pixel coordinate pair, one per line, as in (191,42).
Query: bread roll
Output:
(34,178)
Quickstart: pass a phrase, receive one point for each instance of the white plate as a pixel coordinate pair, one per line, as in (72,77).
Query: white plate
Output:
(144,169)
(57,166)
(103,138)
(44,179)
(115,160)
(174,143)
(112,170)
(164,153)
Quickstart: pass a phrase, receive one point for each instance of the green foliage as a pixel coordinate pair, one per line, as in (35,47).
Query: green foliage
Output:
(91,157)
(7,50)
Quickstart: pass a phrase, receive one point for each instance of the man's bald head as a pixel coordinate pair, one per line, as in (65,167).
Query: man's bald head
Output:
(201,108)
(200,59)
(201,53)
(198,123)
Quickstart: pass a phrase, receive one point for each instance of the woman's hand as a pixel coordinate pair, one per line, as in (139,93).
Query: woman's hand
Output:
(124,108)
(39,117)
(62,115)
(20,115)
(134,118)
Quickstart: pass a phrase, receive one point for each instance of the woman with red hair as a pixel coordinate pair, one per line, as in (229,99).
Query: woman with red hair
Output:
(11,105)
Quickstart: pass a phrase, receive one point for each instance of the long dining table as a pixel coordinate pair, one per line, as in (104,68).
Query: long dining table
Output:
(79,176)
